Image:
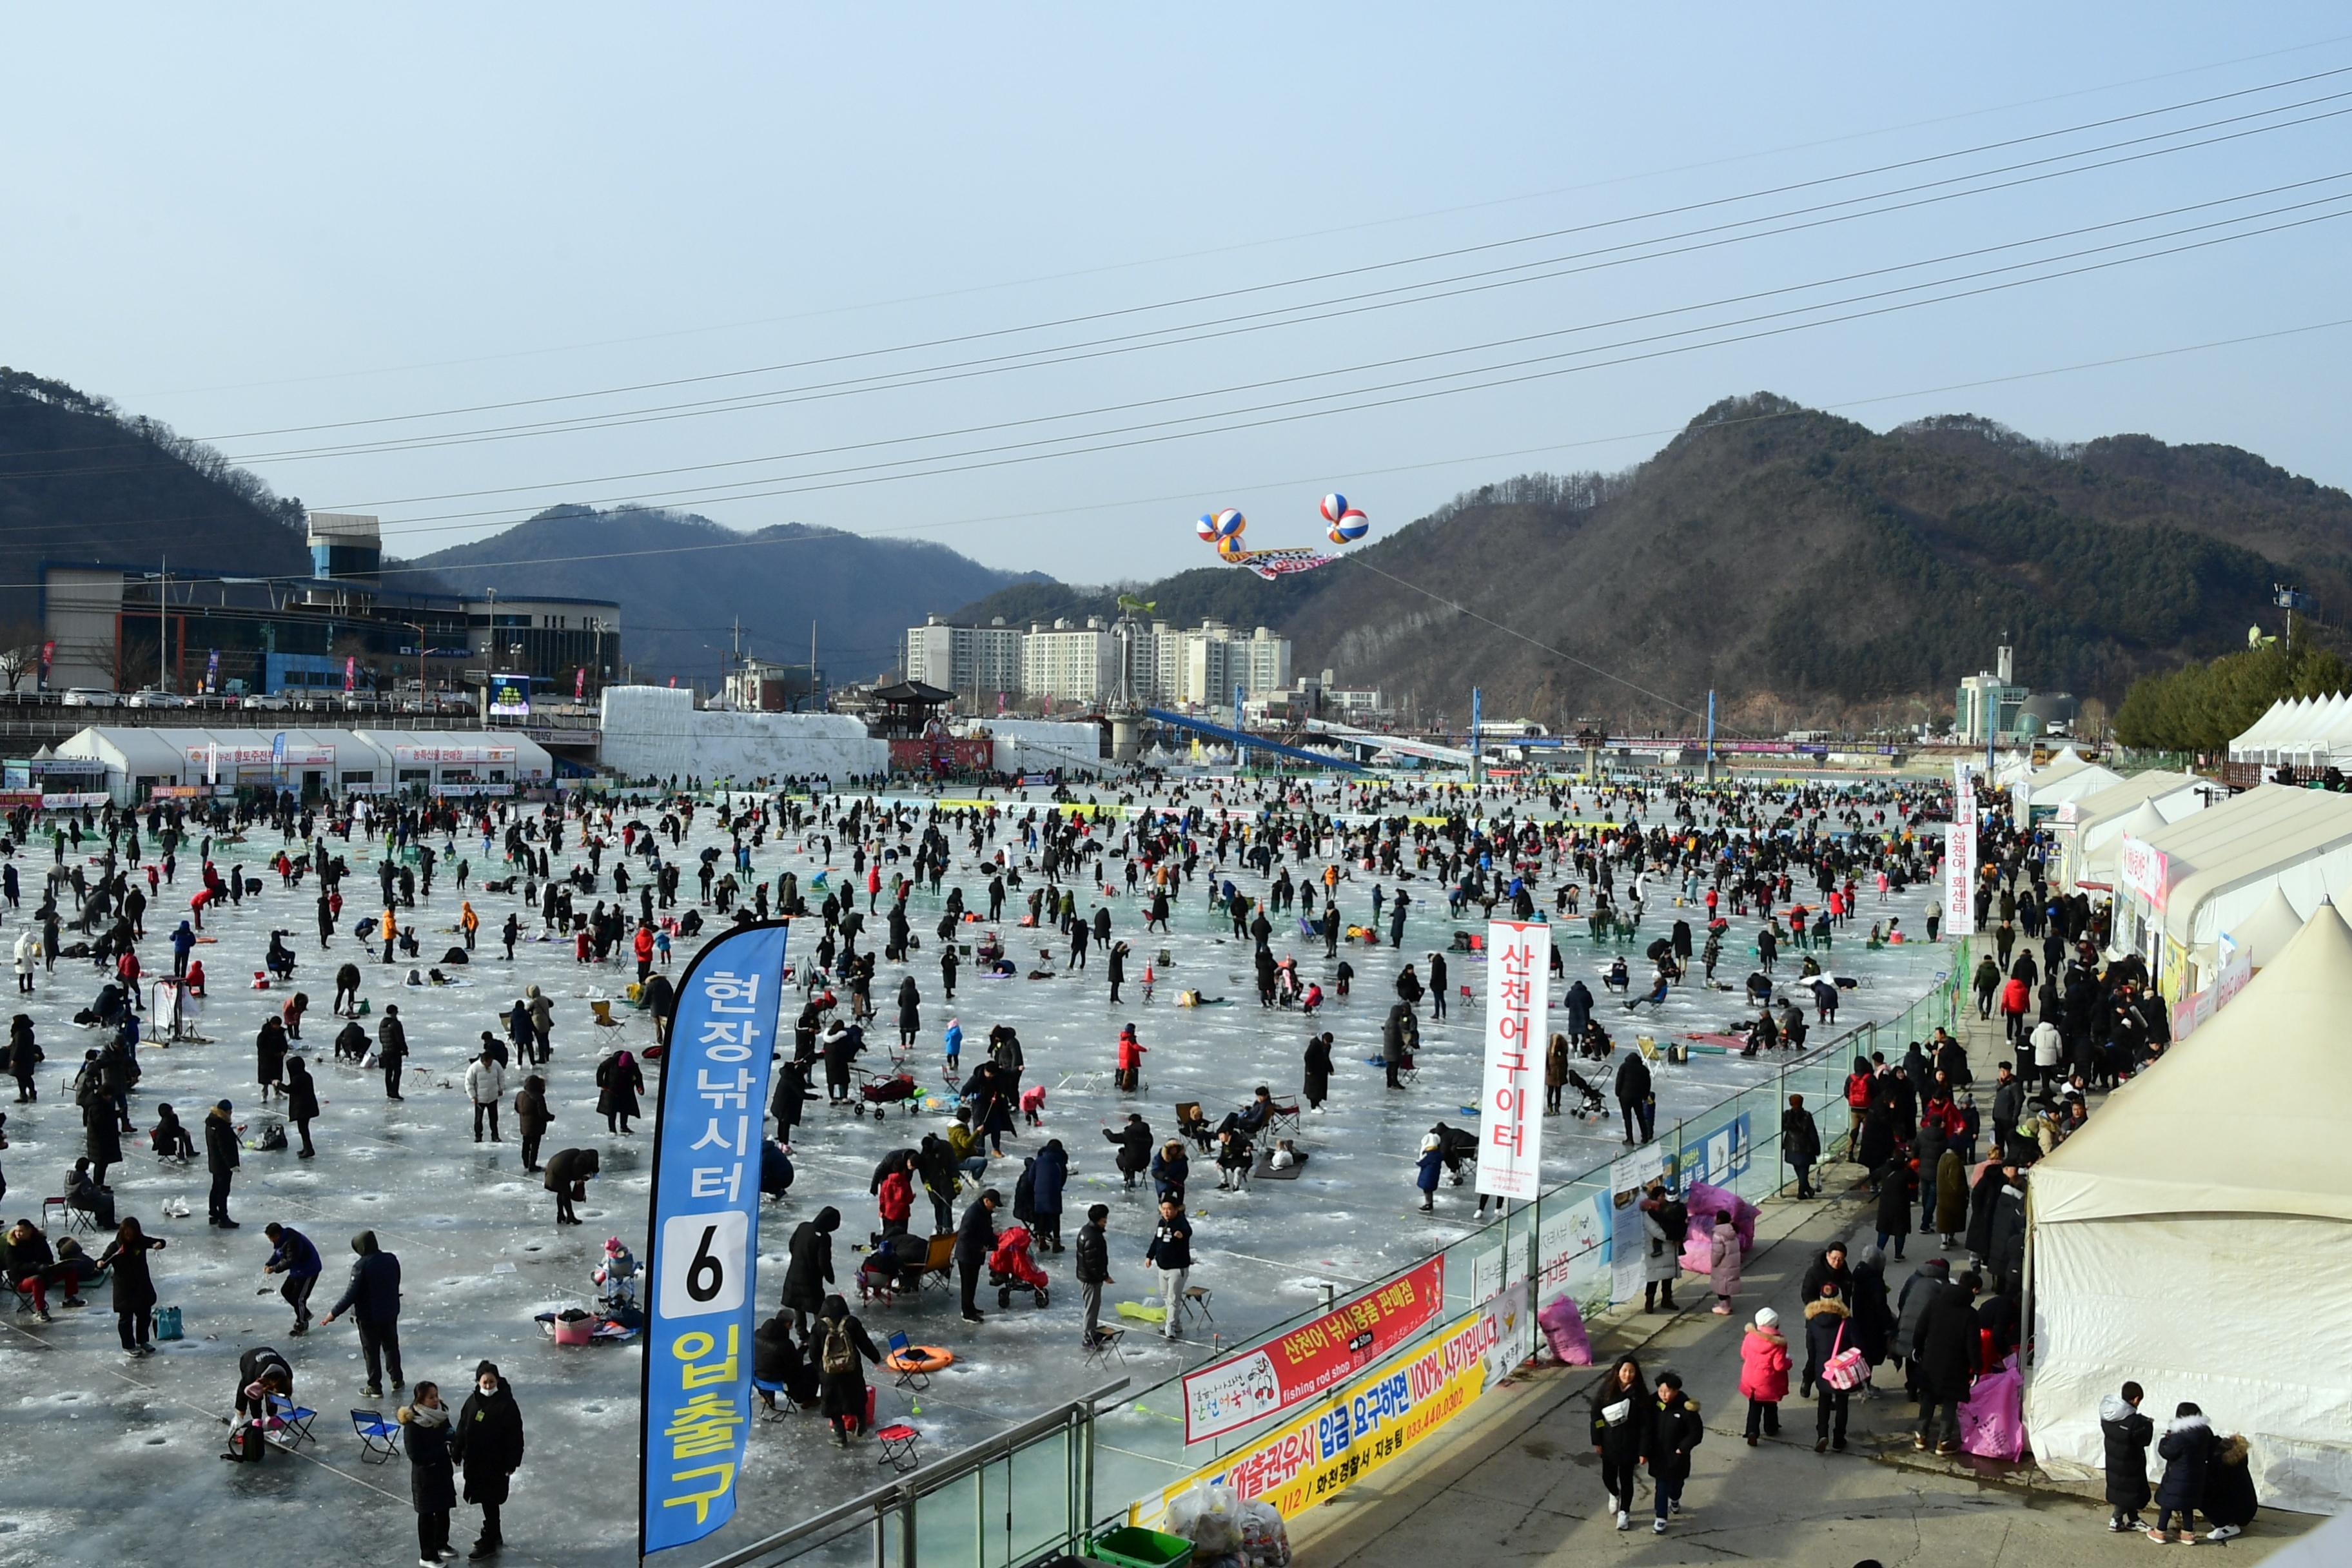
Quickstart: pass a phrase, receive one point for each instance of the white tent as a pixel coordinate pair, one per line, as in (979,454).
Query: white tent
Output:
(2307,731)
(2264,934)
(2197,1237)
(2099,863)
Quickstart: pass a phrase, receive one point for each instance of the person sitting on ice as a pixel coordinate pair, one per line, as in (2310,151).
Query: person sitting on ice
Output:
(1760,988)
(1655,997)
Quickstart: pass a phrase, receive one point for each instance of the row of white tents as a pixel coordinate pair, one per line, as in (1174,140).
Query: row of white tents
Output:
(2304,732)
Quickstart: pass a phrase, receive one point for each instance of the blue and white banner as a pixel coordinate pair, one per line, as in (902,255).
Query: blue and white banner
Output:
(704,1236)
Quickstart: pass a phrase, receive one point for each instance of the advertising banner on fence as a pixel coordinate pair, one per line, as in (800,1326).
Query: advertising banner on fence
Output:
(1287,1372)
(1573,1243)
(1373,1420)
(1510,1113)
(1628,1248)
(704,1234)
(1961,857)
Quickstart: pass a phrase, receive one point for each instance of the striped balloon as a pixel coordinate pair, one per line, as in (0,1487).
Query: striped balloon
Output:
(1207,528)
(1335,507)
(1230,523)
(1352,525)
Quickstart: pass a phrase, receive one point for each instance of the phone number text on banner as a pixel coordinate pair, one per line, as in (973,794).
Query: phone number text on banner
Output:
(1282,1373)
(704,1234)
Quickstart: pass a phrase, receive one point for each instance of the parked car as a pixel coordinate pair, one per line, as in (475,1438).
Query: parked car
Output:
(150,697)
(88,696)
(268,702)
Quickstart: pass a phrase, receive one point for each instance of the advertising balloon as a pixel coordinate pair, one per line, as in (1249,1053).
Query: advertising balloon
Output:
(1351,526)
(1207,528)
(1233,549)
(1230,523)
(1335,506)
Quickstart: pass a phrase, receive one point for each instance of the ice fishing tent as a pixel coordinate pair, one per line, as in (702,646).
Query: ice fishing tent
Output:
(2162,1240)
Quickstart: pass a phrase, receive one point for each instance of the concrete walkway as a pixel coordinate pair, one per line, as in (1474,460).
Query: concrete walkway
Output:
(1518,1480)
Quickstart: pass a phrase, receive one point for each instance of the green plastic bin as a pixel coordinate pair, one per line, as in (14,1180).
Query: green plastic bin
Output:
(1132,1546)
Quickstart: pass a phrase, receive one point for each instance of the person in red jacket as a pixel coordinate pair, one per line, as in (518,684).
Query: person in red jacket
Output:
(897,1198)
(1131,1058)
(2016,997)
(643,946)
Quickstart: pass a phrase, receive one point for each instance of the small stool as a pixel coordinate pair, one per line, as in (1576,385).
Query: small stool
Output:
(898,1441)
(1196,1299)
(1106,1347)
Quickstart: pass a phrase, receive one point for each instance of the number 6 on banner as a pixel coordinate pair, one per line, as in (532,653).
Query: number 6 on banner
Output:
(703,1264)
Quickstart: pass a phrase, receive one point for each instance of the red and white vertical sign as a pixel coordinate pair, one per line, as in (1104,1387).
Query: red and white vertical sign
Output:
(1960,857)
(1518,1011)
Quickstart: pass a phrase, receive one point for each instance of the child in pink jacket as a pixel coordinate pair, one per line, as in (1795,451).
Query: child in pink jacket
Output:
(1764,1374)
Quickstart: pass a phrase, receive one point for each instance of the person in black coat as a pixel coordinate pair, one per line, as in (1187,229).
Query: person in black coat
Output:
(839,1343)
(567,1174)
(1874,1319)
(2126,1435)
(302,1102)
(1636,1098)
(135,1287)
(2187,1450)
(1318,1086)
(432,1484)
(487,1443)
(1621,1414)
(101,1135)
(373,1297)
(1894,1181)
(779,1367)
(1676,1429)
(221,1157)
(1800,1144)
(2229,1503)
(1134,1141)
(976,1239)
(1830,1263)
(1946,1357)
(1829,1329)
(810,1268)
(791,1093)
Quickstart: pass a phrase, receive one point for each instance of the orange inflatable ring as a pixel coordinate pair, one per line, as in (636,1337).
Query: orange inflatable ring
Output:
(920,1358)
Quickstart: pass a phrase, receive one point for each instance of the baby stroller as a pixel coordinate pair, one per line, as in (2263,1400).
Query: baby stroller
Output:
(895,1264)
(1589,1107)
(1011,1269)
(882,1091)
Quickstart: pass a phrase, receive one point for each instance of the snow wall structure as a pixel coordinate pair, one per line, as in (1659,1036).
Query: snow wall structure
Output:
(656,732)
(1037,745)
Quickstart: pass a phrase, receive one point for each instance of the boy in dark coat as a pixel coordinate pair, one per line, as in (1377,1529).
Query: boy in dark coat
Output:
(1675,1430)
(2187,1450)
(2127,1434)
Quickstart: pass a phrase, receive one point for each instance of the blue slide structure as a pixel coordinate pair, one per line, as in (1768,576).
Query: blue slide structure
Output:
(1233,737)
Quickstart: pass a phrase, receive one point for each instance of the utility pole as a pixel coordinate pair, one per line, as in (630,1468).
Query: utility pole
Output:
(1477,715)
(163,622)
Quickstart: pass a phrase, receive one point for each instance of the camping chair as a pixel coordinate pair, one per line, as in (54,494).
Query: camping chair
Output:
(939,1261)
(910,1377)
(379,1439)
(604,1011)
(70,1220)
(1191,1123)
(898,1441)
(293,1420)
(1284,1123)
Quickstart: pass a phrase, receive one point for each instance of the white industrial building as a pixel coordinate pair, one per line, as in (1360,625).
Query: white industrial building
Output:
(139,760)
(655,732)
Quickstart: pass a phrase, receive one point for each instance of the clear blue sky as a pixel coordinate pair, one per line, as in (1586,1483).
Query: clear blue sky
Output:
(245,219)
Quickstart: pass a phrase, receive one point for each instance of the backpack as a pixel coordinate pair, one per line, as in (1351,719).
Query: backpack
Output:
(839,1356)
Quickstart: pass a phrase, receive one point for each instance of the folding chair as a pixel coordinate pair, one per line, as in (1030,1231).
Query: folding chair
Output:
(295,1421)
(898,1441)
(910,1377)
(379,1439)
(1196,1299)
(73,1221)
(1107,1347)
(1191,1124)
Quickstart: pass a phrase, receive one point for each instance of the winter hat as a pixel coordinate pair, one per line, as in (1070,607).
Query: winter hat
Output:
(223,1105)
(1766,1318)
(1429,1141)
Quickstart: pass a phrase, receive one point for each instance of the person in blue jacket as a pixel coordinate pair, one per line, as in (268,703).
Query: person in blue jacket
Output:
(1433,1163)
(1048,1175)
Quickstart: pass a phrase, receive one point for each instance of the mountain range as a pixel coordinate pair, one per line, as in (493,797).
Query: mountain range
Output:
(1803,566)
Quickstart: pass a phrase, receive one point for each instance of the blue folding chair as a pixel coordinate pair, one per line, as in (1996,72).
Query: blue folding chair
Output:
(379,1439)
(294,1421)
(897,1355)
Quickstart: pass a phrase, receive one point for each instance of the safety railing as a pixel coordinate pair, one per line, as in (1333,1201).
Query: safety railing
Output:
(977,1509)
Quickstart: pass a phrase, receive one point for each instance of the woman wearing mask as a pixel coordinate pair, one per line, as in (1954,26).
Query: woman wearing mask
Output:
(424,1434)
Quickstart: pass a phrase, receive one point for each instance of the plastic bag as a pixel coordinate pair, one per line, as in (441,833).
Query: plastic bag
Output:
(1265,1539)
(1705,1201)
(1210,1517)
(1992,1417)
(1563,1330)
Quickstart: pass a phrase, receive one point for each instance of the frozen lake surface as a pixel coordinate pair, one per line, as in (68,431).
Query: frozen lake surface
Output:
(110,1459)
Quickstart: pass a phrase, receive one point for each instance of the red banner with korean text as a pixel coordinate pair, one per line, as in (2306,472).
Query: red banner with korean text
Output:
(1293,1368)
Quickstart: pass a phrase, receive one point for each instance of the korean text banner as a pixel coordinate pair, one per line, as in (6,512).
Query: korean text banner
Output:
(1511,1122)
(704,1235)
(1285,1372)
(1377,1418)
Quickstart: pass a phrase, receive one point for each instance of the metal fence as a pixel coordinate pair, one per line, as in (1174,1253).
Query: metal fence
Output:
(996,1505)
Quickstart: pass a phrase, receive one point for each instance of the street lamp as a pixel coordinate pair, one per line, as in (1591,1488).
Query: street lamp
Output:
(419,630)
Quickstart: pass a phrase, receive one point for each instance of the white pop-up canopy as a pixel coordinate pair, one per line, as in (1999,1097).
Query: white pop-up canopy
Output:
(2196,1238)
